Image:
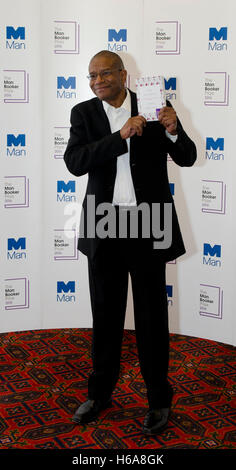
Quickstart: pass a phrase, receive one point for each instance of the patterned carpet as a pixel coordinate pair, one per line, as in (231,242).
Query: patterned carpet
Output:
(43,379)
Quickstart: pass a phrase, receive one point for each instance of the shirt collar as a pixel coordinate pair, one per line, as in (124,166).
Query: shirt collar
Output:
(125,105)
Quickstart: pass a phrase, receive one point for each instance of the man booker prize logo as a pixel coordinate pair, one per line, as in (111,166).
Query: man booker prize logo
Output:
(211,301)
(65,245)
(16,293)
(60,141)
(66,37)
(216,89)
(213,197)
(168,35)
(16,86)
(16,192)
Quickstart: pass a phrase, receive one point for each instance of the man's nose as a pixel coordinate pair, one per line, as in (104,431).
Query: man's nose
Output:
(99,78)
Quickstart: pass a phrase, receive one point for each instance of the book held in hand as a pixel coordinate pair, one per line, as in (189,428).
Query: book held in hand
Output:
(150,96)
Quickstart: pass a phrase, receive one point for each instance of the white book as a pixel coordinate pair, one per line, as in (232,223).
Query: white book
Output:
(150,96)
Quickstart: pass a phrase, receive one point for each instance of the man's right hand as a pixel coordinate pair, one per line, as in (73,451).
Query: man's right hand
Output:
(133,126)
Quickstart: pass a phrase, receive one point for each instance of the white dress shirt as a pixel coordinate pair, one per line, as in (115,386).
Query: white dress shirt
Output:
(124,193)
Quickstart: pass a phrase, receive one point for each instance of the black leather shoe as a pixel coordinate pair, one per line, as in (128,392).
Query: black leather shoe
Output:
(156,420)
(89,410)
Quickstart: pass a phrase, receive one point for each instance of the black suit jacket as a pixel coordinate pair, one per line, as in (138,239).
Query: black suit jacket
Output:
(93,149)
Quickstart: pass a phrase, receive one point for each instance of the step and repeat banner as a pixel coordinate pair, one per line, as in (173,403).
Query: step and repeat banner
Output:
(45,49)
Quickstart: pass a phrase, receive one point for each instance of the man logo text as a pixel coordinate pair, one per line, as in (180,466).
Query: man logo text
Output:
(217,144)
(169,291)
(115,40)
(172,188)
(170,87)
(64,288)
(217,38)
(13,142)
(63,187)
(210,253)
(64,84)
(15,33)
(15,248)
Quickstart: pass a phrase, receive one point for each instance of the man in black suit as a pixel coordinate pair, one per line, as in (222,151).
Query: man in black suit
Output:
(126,161)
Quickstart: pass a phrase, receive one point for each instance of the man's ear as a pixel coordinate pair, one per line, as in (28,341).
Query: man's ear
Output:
(124,75)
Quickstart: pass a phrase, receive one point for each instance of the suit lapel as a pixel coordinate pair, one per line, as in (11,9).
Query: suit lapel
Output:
(134,112)
(134,106)
(103,121)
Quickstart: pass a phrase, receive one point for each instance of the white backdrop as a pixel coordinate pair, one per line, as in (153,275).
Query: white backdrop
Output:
(45,50)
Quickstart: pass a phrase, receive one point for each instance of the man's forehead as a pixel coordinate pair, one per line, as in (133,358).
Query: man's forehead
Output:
(101,62)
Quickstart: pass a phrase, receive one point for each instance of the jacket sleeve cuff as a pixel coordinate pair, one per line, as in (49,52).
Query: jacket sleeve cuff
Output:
(173,138)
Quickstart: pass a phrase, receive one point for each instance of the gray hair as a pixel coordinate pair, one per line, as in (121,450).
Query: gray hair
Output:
(112,55)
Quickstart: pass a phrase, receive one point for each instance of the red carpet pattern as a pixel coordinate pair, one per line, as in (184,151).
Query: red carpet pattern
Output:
(43,379)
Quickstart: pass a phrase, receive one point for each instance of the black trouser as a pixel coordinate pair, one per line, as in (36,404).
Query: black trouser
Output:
(108,278)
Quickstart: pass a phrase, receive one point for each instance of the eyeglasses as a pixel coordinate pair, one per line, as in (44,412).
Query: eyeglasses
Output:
(105,74)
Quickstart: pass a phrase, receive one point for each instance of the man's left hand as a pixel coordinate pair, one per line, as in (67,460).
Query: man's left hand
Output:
(167,117)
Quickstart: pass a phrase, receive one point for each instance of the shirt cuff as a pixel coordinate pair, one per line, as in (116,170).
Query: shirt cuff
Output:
(171,137)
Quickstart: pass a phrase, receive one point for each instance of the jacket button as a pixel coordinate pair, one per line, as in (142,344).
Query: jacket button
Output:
(133,164)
